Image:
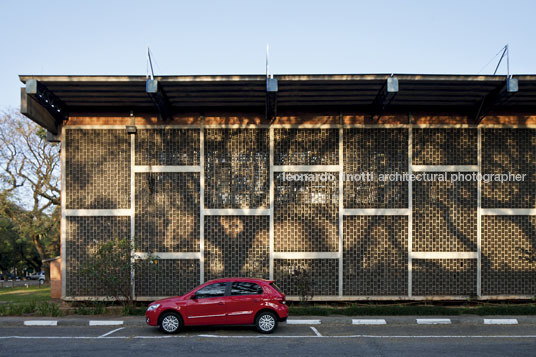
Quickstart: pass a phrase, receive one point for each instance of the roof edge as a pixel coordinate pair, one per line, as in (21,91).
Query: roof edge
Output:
(286,77)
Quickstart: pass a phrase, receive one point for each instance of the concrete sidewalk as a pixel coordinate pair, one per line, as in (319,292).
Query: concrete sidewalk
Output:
(138,321)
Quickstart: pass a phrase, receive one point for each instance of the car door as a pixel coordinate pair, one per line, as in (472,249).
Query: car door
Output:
(243,302)
(207,306)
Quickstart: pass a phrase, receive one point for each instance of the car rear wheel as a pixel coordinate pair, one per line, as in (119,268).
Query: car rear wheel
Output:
(170,322)
(266,322)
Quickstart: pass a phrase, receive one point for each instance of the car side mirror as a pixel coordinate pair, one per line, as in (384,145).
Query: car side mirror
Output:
(194,297)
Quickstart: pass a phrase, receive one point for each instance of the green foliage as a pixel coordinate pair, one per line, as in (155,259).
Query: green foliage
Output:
(17,227)
(83,310)
(133,310)
(9,241)
(16,309)
(43,308)
(41,133)
(90,308)
(47,308)
(110,266)
(29,307)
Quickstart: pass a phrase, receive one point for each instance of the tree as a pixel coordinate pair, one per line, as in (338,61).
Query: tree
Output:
(303,280)
(8,238)
(30,176)
(16,250)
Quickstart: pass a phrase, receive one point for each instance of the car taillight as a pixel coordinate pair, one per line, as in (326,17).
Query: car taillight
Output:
(282,301)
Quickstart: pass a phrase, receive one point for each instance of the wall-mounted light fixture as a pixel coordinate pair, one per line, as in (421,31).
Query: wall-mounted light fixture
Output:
(131,129)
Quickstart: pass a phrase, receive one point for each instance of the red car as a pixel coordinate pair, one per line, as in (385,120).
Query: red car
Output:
(229,301)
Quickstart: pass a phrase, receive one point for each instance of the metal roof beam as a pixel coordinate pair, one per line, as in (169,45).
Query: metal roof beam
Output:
(159,98)
(498,96)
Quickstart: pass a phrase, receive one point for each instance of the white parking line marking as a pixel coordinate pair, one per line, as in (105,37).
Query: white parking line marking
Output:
(500,322)
(56,337)
(40,323)
(303,322)
(369,322)
(105,323)
(433,321)
(316,331)
(109,333)
(264,336)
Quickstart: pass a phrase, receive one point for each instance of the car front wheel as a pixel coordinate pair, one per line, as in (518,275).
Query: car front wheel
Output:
(266,322)
(170,322)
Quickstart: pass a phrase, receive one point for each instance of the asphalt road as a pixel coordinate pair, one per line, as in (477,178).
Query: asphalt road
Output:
(17,283)
(399,339)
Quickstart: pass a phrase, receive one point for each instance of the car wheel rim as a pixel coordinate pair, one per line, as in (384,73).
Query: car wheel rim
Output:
(170,323)
(266,322)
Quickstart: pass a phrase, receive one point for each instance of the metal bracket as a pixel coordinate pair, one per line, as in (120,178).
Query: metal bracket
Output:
(498,96)
(159,98)
(48,100)
(53,138)
(385,95)
(271,99)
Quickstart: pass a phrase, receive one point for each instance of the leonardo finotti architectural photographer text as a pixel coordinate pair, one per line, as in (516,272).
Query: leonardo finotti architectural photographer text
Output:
(404,177)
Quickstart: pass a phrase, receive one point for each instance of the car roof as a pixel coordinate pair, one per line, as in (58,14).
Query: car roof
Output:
(249,280)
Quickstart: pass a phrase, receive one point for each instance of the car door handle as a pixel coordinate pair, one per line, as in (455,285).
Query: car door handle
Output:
(256,300)
(221,303)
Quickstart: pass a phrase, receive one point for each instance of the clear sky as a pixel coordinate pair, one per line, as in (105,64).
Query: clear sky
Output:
(230,37)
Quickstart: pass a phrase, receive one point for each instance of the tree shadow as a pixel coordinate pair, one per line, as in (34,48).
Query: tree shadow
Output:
(97,169)
(83,236)
(306,214)
(513,271)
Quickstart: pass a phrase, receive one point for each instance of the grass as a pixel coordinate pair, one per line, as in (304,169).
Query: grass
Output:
(413,309)
(34,300)
(21,294)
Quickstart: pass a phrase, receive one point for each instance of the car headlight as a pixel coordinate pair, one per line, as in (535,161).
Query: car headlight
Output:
(153,307)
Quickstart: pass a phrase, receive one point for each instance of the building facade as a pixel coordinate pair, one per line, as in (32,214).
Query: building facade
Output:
(372,190)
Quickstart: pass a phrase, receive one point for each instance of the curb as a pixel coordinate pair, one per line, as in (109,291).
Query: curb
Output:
(296,320)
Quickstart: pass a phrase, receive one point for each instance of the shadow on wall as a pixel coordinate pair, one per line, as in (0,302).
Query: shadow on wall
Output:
(306,213)
(509,242)
(84,235)
(236,176)
(98,165)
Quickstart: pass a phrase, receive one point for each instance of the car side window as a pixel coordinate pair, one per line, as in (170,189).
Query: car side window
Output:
(244,288)
(212,290)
